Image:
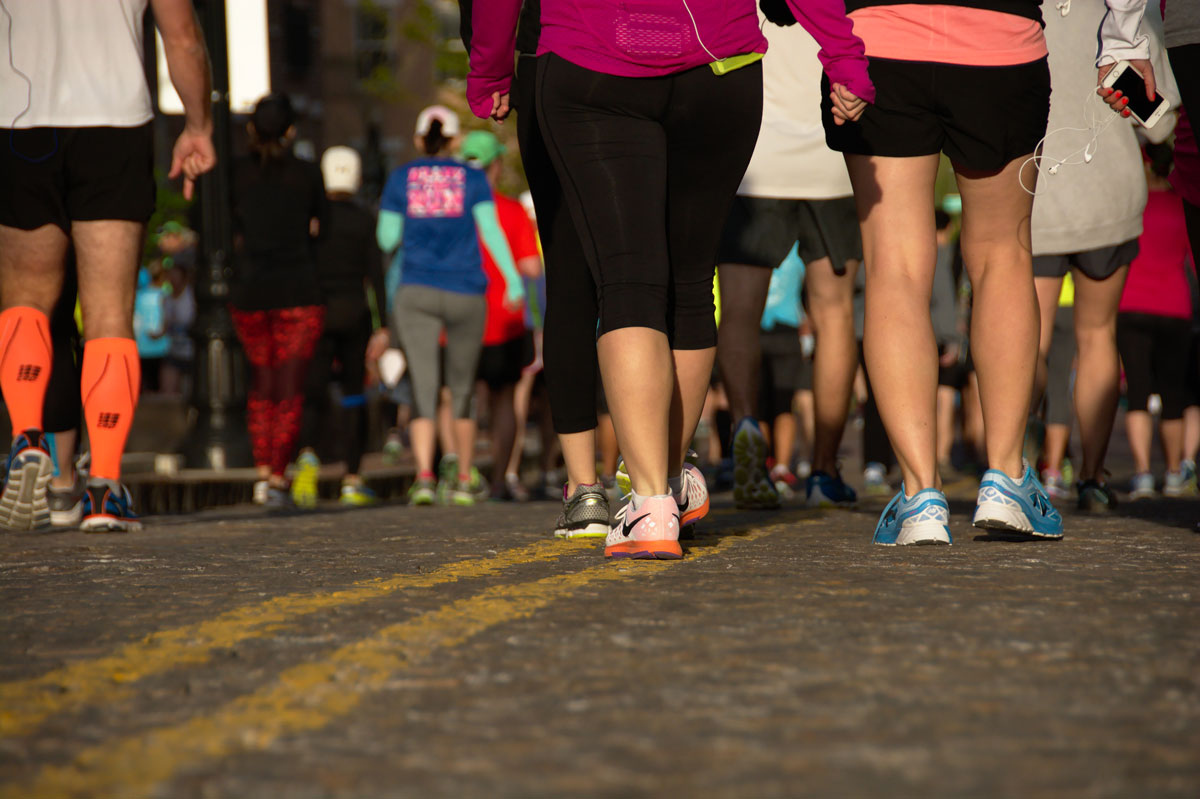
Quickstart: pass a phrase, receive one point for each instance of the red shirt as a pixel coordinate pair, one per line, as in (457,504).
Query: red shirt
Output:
(1157,283)
(504,324)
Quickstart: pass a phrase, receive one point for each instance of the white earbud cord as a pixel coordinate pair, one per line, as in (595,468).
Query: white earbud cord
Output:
(1087,151)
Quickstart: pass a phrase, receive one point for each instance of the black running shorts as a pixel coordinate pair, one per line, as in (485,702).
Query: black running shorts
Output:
(1097,264)
(56,176)
(980,117)
(501,364)
(760,231)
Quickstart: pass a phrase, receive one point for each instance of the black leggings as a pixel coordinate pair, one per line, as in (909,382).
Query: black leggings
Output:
(343,344)
(649,168)
(569,340)
(1155,351)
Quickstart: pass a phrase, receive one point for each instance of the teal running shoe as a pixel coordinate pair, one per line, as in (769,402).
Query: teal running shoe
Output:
(922,519)
(1015,509)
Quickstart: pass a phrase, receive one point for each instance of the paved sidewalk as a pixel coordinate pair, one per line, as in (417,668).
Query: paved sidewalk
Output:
(409,652)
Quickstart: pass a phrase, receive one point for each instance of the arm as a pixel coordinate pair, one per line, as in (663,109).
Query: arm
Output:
(842,53)
(389,230)
(1121,37)
(373,269)
(488,223)
(187,61)
(493,43)
(530,266)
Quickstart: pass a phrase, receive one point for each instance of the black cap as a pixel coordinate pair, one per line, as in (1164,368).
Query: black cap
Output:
(273,116)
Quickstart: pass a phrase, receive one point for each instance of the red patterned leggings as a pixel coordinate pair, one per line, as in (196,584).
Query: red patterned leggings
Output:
(279,344)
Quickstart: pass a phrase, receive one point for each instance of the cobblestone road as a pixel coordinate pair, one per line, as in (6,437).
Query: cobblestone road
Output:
(406,652)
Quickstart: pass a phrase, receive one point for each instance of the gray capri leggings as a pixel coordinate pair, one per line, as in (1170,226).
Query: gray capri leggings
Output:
(419,315)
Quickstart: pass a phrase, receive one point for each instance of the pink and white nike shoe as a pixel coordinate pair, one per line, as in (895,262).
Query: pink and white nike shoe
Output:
(693,496)
(648,532)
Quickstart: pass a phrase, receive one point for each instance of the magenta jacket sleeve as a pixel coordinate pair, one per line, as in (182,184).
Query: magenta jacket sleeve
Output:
(493,51)
(842,53)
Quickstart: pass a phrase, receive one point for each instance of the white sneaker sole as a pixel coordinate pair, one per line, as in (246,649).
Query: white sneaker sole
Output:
(923,534)
(1002,518)
(593,530)
(24,504)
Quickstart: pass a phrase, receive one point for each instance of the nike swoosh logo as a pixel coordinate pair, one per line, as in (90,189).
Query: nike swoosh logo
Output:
(628,526)
(683,506)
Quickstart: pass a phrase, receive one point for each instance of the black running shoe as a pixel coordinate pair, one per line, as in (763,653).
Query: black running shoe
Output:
(1096,497)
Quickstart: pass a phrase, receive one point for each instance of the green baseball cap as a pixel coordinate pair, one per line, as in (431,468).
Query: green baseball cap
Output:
(480,148)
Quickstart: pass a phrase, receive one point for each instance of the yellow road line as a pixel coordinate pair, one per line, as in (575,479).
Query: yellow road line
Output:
(311,695)
(26,703)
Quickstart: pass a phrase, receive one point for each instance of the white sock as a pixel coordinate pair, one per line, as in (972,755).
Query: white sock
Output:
(637,499)
(676,484)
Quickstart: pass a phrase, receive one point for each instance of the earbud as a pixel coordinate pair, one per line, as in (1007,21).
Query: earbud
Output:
(1054,169)
(1064,7)
(1087,152)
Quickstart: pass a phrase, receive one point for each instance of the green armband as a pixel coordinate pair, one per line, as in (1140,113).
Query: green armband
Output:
(727,65)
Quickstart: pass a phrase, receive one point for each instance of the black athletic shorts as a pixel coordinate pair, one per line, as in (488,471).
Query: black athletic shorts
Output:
(56,176)
(760,231)
(1097,264)
(980,117)
(501,364)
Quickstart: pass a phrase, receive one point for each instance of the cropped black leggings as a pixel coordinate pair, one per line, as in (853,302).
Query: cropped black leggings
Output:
(649,168)
(569,340)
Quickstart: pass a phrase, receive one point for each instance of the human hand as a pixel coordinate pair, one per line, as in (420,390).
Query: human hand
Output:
(847,107)
(500,107)
(377,344)
(192,156)
(1114,97)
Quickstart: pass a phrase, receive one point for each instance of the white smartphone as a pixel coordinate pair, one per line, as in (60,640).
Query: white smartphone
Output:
(1126,79)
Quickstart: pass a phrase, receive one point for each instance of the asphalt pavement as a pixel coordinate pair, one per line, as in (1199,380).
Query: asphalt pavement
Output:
(420,652)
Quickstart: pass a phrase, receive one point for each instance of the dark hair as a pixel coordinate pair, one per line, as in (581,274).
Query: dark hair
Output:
(941,219)
(273,117)
(434,140)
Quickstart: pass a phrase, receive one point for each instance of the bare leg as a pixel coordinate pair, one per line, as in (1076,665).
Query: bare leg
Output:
(606,439)
(1098,376)
(804,410)
(445,424)
(579,456)
(784,438)
(739,349)
(64,448)
(973,419)
(895,207)
(1048,289)
(107,254)
(1191,432)
(1170,431)
(1004,324)
(945,422)
(1058,436)
(1139,428)
(422,436)
(31,267)
(693,373)
(521,410)
(639,382)
(835,361)
(464,439)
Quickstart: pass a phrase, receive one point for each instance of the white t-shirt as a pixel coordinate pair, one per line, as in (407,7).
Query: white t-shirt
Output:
(83,59)
(791,159)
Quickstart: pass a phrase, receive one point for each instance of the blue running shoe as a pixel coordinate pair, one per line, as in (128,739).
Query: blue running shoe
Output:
(24,502)
(923,519)
(1015,509)
(108,508)
(827,490)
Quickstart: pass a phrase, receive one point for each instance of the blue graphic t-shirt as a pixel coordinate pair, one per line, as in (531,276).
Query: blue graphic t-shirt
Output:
(436,196)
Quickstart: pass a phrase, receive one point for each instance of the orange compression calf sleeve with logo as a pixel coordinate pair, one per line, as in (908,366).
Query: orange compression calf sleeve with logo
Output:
(25,360)
(112,375)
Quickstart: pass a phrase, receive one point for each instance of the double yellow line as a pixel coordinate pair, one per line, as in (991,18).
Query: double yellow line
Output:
(304,697)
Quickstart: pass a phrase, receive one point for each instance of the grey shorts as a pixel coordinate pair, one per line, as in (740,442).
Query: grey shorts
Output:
(1096,264)
(760,231)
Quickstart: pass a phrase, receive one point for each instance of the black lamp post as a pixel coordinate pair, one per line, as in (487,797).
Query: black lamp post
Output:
(217,438)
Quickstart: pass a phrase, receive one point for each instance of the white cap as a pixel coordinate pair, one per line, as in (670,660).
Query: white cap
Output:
(342,169)
(448,118)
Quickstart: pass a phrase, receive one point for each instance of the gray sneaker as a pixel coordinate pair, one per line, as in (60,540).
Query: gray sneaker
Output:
(584,514)
(66,504)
